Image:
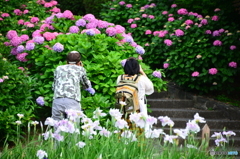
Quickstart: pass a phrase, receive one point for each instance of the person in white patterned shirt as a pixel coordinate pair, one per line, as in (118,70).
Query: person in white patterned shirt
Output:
(68,80)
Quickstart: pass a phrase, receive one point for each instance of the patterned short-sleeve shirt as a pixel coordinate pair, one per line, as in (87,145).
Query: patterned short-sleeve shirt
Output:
(68,80)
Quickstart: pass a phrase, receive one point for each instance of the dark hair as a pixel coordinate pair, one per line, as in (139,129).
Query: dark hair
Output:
(73,57)
(131,66)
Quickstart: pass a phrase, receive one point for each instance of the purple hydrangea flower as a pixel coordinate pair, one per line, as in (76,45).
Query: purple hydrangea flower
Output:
(40,100)
(74,29)
(80,22)
(38,39)
(20,48)
(140,50)
(129,39)
(90,90)
(90,32)
(123,62)
(157,74)
(58,47)
(14,51)
(30,46)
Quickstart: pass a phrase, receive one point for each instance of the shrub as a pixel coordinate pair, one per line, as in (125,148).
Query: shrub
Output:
(43,43)
(189,43)
(15,96)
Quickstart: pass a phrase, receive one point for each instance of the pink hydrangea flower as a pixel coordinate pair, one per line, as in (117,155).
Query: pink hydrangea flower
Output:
(168,42)
(15,41)
(48,5)
(111,31)
(182,11)
(171,19)
(130,20)
(25,11)
(216,33)
(204,22)
(212,71)
(165,65)
(119,29)
(34,20)
(21,22)
(165,12)
(24,37)
(217,43)
(68,14)
(148,32)
(144,15)
(129,5)
(11,34)
(232,64)
(21,68)
(133,25)
(215,18)
(55,10)
(233,47)
(188,22)
(49,36)
(151,16)
(195,74)
(121,3)
(5,15)
(208,32)
(17,12)
(173,6)
(22,57)
(221,30)
(179,32)
(216,10)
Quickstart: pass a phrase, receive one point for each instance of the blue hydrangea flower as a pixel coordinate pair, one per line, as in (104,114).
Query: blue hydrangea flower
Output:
(58,47)
(140,50)
(91,90)
(20,48)
(40,101)
(157,74)
(30,46)
(90,32)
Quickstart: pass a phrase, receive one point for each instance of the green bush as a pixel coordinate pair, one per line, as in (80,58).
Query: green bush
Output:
(182,42)
(15,96)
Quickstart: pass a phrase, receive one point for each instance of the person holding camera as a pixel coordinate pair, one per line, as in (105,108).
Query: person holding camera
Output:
(67,86)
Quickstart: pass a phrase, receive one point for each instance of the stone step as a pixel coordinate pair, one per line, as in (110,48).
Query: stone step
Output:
(170,103)
(212,123)
(186,113)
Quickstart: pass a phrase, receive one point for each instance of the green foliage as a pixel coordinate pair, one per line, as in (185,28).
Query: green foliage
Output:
(183,53)
(15,97)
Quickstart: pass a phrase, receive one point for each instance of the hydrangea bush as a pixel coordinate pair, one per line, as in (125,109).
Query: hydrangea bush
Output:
(16,97)
(39,43)
(198,51)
